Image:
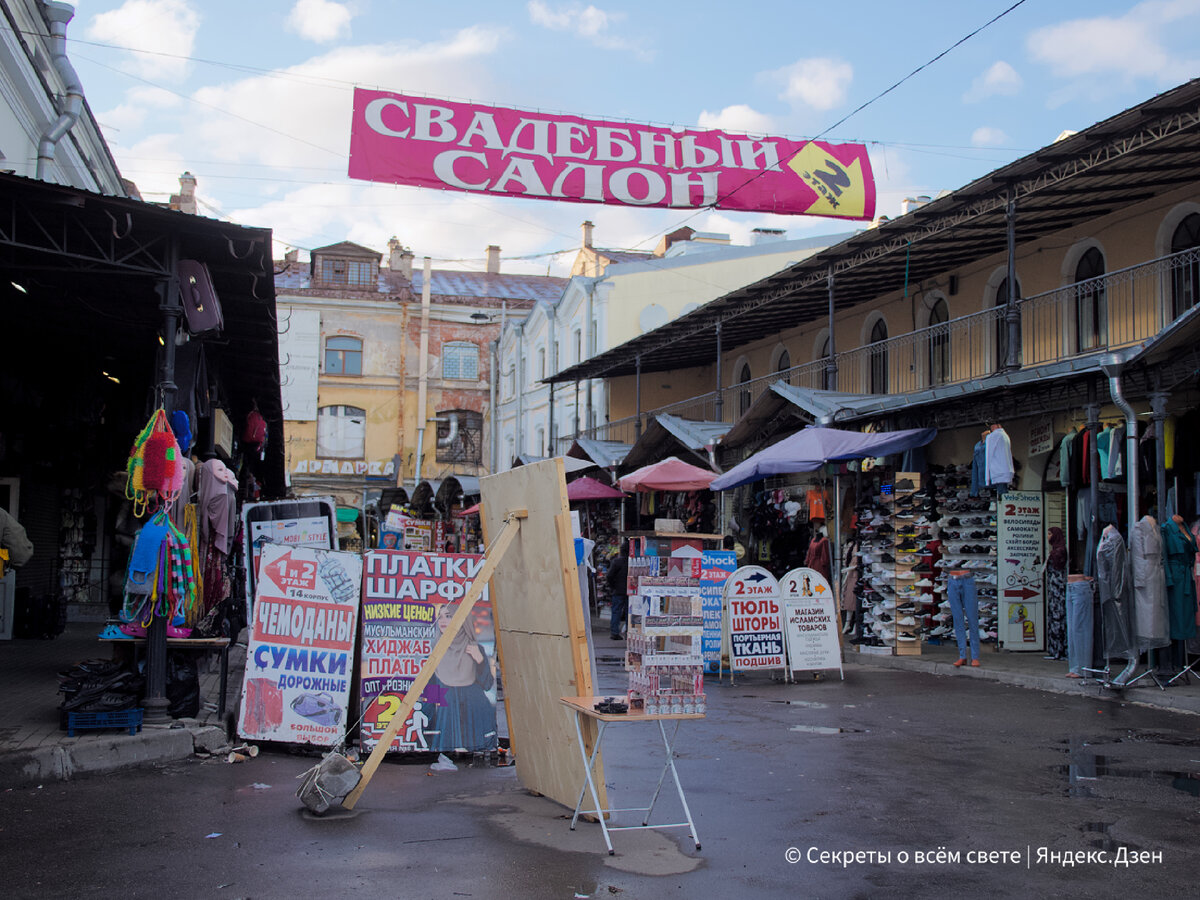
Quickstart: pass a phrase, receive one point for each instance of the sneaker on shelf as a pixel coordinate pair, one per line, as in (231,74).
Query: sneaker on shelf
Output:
(924,582)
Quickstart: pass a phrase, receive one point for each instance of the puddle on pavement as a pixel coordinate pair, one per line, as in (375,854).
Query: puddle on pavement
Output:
(1089,768)
(807,704)
(1106,841)
(824,729)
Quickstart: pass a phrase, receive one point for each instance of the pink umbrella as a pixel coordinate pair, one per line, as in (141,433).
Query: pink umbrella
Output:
(586,488)
(672,474)
(469,511)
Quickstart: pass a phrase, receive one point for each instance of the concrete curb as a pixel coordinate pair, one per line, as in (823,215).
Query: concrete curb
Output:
(98,755)
(1149,696)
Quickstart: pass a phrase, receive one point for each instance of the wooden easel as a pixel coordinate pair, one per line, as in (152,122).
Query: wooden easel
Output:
(512,524)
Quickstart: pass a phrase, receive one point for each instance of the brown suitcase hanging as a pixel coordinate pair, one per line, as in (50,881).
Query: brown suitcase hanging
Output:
(200,304)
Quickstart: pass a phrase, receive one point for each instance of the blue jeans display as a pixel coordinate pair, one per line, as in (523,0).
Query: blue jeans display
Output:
(964,606)
(1080,599)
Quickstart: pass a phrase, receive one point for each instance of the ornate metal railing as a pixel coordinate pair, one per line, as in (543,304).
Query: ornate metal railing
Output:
(1108,312)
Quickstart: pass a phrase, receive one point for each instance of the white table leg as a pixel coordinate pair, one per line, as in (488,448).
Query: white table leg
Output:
(589,783)
(678,786)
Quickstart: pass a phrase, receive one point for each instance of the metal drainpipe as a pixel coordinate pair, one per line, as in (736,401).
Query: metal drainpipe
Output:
(552,366)
(720,403)
(1112,369)
(831,371)
(589,339)
(519,365)
(59,15)
(1012,316)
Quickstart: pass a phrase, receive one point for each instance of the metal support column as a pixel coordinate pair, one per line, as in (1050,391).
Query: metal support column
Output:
(1012,315)
(1158,407)
(831,371)
(720,405)
(1093,464)
(637,390)
(171,308)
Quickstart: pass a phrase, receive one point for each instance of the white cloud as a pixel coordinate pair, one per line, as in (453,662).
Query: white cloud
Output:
(1130,47)
(819,82)
(740,119)
(154,27)
(986,136)
(139,103)
(321,21)
(588,22)
(1000,79)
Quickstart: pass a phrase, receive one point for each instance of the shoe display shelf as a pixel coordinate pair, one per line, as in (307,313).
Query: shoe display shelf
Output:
(907,504)
(663,653)
(968,542)
(877,574)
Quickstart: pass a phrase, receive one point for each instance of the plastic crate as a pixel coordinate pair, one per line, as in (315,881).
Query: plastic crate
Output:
(125,718)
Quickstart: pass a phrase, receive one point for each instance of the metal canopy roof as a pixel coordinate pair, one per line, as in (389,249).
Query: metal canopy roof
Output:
(666,435)
(1140,153)
(87,306)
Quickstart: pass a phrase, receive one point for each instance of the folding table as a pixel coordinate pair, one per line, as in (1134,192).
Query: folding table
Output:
(585,707)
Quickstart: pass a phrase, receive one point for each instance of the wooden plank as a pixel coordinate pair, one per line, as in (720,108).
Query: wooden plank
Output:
(511,528)
(538,615)
(512,742)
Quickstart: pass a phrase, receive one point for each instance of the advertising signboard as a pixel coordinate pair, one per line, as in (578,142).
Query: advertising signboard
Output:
(754,619)
(811,620)
(300,658)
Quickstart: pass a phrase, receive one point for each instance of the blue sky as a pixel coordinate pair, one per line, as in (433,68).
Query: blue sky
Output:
(254,97)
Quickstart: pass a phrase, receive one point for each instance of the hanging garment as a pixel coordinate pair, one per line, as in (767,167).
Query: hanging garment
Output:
(1056,596)
(817,557)
(1149,586)
(998,451)
(1064,459)
(1083,514)
(816,503)
(1081,596)
(1083,455)
(1169,427)
(1179,557)
(1116,452)
(978,468)
(217,504)
(1103,442)
(1196,570)
(1112,580)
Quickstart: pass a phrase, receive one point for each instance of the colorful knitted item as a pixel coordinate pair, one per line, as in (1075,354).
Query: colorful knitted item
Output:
(155,469)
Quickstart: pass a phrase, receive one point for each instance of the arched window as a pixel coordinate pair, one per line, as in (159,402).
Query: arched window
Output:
(341,432)
(744,397)
(783,364)
(1091,304)
(1002,323)
(879,358)
(460,361)
(939,343)
(1185,272)
(343,356)
(826,377)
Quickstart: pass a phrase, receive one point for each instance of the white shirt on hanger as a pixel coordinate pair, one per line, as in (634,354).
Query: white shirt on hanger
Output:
(998,457)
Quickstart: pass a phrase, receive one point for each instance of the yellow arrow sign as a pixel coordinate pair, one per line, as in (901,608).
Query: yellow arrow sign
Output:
(841,190)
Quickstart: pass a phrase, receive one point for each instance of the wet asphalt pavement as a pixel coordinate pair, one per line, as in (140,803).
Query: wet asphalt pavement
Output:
(887,761)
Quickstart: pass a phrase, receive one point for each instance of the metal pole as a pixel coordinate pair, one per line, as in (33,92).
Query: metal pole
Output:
(493,429)
(1158,406)
(637,390)
(1093,464)
(720,405)
(831,372)
(1012,315)
(423,364)
(171,308)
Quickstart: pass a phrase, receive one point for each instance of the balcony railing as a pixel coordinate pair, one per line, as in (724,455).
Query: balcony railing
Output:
(1108,312)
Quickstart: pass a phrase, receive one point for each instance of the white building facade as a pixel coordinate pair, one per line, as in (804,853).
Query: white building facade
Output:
(597,312)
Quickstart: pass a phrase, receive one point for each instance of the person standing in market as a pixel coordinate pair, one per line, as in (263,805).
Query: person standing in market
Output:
(618,586)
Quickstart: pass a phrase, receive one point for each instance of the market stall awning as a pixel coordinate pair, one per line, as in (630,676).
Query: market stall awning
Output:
(605,454)
(570,463)
(671,474)
(812,447)
(590,489)
(667,434)
(469,511)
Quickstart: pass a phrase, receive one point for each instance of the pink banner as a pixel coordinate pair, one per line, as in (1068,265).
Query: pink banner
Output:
(492,150)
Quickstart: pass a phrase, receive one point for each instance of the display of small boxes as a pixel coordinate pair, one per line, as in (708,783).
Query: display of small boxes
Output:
(663,653)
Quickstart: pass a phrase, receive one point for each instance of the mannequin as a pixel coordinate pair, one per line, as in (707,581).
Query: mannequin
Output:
(964,605)
(1179,557)
(998,452)
(1149,586)
(1081,593)
(1056,595)
(1112,578)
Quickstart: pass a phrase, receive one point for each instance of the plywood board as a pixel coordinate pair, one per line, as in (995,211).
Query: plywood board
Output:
(539,621)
